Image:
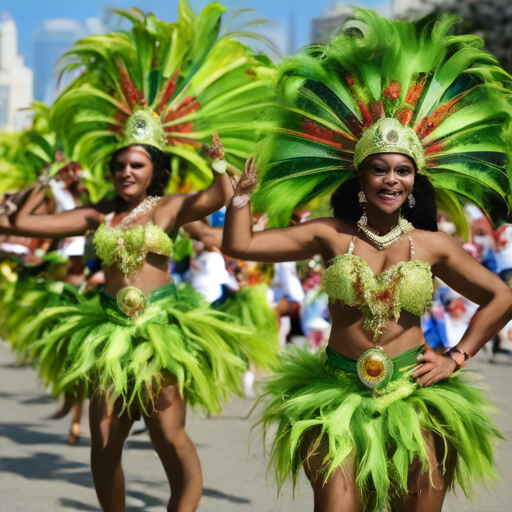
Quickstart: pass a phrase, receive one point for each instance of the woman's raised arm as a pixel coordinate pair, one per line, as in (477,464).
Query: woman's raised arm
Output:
(180,209)
(59,225)
(273,245)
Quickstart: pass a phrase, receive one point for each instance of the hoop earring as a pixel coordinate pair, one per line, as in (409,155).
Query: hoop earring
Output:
(411,201)
(362,198)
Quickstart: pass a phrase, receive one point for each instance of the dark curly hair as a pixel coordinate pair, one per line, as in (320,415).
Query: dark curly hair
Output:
(346,207)
(161,166)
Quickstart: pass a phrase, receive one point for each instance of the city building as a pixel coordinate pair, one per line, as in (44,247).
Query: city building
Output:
(51,40)
(489,19)
(329,22)
(15,79)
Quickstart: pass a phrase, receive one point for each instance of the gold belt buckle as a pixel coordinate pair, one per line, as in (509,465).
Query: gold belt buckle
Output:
(132,301)
(374,368)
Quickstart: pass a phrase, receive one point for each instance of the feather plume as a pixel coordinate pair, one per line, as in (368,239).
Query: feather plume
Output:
(447,88)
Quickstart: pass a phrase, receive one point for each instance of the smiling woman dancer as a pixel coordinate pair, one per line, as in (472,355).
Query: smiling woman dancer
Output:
(379,421)
(140,347)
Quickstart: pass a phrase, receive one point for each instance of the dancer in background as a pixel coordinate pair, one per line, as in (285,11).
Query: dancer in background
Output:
(141,347)
(401,115)
(247,304)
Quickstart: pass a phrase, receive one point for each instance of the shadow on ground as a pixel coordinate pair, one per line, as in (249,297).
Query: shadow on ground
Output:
(212,493)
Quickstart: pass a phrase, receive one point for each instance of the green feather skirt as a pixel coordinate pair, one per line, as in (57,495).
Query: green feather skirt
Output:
(312,404)
(179,338)
(21,301)
(249,307)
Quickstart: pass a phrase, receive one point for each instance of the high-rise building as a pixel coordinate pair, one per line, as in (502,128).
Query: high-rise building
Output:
(52,39)
(15,78)
(329,22)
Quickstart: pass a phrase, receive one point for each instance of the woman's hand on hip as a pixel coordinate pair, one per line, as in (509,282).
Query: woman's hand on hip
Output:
(432,368)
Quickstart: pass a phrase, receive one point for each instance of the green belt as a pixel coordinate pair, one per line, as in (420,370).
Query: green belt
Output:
(344,364)
(155,295)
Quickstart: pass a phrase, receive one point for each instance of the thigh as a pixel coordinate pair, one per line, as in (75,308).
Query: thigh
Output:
(108,429)
(428,489)
(337,494)
(168,411)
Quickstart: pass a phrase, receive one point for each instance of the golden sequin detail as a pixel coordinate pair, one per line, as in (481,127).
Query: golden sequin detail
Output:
(128,248)
(406,285)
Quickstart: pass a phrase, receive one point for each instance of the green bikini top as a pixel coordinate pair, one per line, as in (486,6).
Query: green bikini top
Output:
(407,285)
(128,248)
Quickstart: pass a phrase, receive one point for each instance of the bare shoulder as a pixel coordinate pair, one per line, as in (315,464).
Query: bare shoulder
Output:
(326,227)
(436,245)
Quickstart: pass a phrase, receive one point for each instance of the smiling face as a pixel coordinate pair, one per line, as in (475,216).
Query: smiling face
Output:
(133,171)
(387,179)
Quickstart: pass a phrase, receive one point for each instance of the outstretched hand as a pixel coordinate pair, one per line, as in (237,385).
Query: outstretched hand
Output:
(432,368)
(249,179)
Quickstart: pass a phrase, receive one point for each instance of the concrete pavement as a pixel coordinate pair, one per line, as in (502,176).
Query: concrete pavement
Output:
(40,472)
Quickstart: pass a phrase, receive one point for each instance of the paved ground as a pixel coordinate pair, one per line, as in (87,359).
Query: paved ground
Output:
(39,472)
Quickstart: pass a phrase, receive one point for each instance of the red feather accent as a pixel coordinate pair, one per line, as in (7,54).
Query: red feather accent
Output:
(187,106)
(405,116)
(350,79)
(167,92)
(121,117)
(431,122)
(414,92)
(392,91)
(434,148)
(377,109)
(368,119)
(129,90)
(313,131)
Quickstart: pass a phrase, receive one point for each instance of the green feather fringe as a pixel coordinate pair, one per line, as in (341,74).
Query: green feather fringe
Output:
(250,307)
(385,434)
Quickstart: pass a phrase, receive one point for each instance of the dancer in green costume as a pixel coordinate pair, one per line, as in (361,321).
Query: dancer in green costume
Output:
(141,346)
(399,114)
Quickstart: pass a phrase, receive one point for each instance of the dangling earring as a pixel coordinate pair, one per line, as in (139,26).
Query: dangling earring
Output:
(362,201)
(411,200)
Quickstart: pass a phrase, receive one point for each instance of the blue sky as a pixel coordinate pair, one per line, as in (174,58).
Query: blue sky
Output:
(28,14)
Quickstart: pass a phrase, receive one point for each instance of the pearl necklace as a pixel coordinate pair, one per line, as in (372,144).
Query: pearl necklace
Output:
(389,239)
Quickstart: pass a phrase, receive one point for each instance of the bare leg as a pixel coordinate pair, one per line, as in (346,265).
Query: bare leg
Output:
(339,493)
(69,401)
(166,427)
(108,433)
(74,431)
(423,496)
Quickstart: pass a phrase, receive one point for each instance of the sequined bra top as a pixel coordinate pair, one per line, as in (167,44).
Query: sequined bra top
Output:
(407,285)
(128,248)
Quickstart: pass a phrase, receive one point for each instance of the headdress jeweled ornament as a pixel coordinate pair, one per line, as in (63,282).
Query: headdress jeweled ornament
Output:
(389,135)
(144,126)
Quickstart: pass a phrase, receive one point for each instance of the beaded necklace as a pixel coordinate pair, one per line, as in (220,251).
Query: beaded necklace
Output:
(392,237)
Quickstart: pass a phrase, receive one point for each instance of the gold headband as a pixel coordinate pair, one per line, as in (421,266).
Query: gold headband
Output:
(389,135)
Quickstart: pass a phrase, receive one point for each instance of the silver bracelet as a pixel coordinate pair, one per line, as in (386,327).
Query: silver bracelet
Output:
(239,201)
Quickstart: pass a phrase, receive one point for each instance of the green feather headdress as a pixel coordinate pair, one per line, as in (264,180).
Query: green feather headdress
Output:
(25,154)
(446,88)
(184,78)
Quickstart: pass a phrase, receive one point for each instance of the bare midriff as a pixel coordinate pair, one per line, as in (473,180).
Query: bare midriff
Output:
(153,274)
(350,339)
